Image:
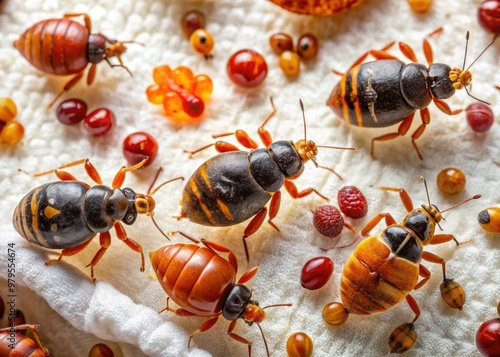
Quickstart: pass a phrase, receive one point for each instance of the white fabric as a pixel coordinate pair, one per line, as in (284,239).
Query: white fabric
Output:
(122,306)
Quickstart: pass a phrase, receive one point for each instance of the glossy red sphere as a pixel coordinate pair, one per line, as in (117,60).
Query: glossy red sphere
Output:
(99,122)
(247,68)
(488,338)
(316,273)
(489,15)
(138,146)
(479,116)
(193,105)
(71,111)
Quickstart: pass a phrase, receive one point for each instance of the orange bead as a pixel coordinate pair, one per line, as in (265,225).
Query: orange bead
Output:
(451,181)
(290,63)
(489,219)
(202,42)
(299,344)
(8,109)
(281,42)
(156,93)
(307,46)
(183,77)
(101,350)
(172,104)
(335,313)
(420,5)
(11,133)
(202,86)
(161,74)
(402,338)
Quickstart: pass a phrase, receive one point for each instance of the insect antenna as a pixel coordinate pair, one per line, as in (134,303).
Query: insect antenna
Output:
(475,197)
(465,56)
(264,338)
(152,192)
(262,331)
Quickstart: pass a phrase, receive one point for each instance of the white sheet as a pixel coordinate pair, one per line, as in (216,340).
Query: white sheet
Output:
(122,306)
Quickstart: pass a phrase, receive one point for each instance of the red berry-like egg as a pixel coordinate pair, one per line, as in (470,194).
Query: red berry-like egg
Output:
(328,221)
(71,111)
(489,15)
(247,68)
(99,122)
(316,273)
(138,146)
(488,338)
(479,116)
(352,202)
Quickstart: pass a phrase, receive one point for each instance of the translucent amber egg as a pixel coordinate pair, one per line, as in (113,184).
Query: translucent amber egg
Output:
(202,41)
(12,133)
(420,5)
(299,344)
(156,93)
(451,181)
(307,46)
(161,74)
(192,21)
(290,63)
(281,42)
(8,109)
(335,313)
(202,86)
(101,350)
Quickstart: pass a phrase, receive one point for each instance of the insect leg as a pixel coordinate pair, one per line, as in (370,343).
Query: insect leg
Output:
(216,247)
(69,252)
(120,175)
(178,312)
(402,130)
(104,242)
(253,227)
(405,197)
(294,193)
(207,325)
(238,338)
(86,18)
(274,207)
(389,221)
(425,274)
(132,244)
(70,84)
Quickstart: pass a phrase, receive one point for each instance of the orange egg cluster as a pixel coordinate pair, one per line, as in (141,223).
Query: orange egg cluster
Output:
(282,45)
(182,94)
(11,132)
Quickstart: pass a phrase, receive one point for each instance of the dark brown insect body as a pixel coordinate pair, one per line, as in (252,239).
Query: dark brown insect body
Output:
(65,47)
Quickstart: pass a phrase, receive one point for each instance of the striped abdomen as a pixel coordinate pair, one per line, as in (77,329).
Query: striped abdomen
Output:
(197,279)
(52,215)
(316,7)
(379,274)
(56,46)
(223,191)
(371,94)
(23,346)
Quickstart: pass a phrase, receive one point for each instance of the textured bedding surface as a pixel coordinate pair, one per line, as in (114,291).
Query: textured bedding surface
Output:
(121,308)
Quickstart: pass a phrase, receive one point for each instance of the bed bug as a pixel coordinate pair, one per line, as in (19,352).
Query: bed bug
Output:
(237,185)
(67,214)
(64,47)
(203,283)
(387,91)
(384,268)
(13,343)
(316,7)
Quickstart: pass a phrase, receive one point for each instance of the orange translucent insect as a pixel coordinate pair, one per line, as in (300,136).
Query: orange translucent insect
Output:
(316,7)
(182,94)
